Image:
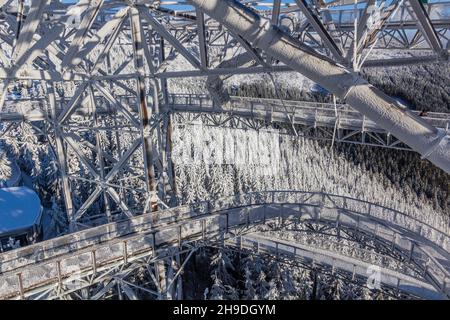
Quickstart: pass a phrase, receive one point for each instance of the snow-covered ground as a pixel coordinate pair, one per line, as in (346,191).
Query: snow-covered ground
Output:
(229,161)
(234,161)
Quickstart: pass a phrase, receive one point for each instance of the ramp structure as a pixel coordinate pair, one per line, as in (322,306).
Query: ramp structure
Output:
(414,259)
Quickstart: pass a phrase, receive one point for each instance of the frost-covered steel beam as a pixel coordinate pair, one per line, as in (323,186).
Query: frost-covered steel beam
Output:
(341,3)
(150,236)
(214,83)
(365,37)
(108,29)
(430,142)
(249,58)
(35,49)
(355,44)
(3,2)
(61,157)
(336,260)
(92,8)
(426,26)
(400,61)
(106,47)
(276,11)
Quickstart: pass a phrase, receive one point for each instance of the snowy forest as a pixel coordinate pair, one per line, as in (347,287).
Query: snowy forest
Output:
(247,160)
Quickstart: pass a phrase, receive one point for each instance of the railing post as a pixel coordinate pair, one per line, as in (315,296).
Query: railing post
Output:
(375,234)
(125,253)
(338,226)
(179,237)
(94,262)
(411,251)
(280,216)
(425,269)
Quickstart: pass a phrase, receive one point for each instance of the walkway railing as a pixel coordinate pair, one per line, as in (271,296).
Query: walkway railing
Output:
(303,112)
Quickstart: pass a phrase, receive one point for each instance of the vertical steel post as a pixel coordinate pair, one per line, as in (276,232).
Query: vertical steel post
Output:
(98,142)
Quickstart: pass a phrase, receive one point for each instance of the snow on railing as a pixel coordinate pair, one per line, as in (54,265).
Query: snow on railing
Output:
(389,277)
(436,11)
(80,239)
(317,112)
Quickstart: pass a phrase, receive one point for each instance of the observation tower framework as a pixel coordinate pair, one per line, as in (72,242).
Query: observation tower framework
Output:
(102,73)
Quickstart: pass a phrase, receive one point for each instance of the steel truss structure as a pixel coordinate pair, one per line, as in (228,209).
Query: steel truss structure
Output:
(101,73)
(324,121)
(98,259)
